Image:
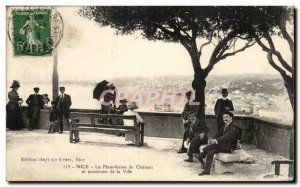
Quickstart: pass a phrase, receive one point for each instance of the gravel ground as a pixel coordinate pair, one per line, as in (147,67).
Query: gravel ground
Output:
(39,156)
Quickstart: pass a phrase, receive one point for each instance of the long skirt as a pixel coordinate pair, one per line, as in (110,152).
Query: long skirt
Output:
(13,116)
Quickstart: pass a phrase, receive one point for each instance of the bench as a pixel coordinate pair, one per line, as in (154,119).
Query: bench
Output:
(277,164)
(77,125)
(227,162)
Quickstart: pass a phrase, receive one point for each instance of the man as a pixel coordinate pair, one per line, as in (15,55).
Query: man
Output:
(226,141)
(222,104)
(188,107)
(197,136)
(63,105)
(35,104)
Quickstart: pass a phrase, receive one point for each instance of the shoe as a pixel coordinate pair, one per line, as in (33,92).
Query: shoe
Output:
(30,129)
(190,159)
(49,132)
(204,173)
(60,132)
(77,139)
(182,150)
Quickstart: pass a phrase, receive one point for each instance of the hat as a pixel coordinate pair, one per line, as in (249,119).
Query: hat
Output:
(132,105)
(191,113)
(230,113)
(15,84)
(188,93)
(36,88)
(123,101)
(62,88)
(224,90)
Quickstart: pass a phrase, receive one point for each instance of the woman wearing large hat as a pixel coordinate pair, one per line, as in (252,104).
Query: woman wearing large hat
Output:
(13,109)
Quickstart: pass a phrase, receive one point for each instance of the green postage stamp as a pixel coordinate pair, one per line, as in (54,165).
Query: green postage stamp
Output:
(32,32)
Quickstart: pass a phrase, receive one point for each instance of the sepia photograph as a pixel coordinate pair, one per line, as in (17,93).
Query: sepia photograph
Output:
(150,94)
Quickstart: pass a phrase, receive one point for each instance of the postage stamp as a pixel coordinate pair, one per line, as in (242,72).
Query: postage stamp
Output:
(32,32)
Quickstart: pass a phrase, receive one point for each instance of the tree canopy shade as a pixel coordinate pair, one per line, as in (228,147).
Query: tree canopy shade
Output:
(193,27)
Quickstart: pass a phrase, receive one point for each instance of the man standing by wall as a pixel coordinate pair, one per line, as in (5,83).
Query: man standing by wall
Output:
(63,105)
(222,104)
(35,104)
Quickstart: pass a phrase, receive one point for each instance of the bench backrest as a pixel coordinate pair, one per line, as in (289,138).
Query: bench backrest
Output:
(93,116)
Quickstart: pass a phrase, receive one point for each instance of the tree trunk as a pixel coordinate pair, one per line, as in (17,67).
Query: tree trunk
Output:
(289,85)
(199,85)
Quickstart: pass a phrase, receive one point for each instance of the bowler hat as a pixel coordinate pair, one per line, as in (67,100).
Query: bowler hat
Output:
(230,113)
(224,90)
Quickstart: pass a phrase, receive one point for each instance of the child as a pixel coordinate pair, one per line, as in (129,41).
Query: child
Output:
(53,117)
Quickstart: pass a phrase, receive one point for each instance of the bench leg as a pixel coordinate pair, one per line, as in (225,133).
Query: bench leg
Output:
(277,169)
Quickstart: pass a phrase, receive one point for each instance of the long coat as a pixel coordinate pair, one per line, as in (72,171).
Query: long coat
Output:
(63,105)
(228,138)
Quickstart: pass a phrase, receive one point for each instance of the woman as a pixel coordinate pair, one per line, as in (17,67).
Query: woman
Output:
(13,109)
(131,107)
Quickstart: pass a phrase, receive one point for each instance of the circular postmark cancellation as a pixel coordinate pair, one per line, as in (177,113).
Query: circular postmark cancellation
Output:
(34,31)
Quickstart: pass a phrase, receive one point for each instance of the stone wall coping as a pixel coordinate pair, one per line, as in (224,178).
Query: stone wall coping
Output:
(270,122)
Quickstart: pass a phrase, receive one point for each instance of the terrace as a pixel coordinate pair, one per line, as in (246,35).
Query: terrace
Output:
(156,161)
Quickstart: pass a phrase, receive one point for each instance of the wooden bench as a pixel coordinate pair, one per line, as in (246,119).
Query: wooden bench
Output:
(277,164)
(91,126)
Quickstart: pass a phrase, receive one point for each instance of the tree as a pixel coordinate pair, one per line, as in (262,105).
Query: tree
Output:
(192,27)
(267,23)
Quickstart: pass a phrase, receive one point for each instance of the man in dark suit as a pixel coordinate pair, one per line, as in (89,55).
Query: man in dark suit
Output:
(222,104)
(188,107)
(63,105)
(226,141)
(197,135)
(35,104)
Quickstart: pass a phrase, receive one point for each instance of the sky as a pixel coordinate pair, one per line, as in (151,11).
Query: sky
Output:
(88,52)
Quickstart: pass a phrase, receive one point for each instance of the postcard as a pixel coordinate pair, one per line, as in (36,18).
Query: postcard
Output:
(150,93)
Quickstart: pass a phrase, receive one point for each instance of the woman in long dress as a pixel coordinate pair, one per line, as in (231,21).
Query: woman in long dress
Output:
(131,107)
(13,109)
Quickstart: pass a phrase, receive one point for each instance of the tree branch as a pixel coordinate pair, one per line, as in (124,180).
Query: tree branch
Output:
(217,50)
(277,53)
(288,38)
(247,45)
(203,45)
(273,64)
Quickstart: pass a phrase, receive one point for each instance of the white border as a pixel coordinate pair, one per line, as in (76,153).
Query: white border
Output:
(5,3)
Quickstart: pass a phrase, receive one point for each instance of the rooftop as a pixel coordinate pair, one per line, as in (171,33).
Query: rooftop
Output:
(157,160)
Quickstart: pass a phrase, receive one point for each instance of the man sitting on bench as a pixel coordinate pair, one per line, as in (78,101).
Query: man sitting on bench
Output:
(225,142)
(197,135)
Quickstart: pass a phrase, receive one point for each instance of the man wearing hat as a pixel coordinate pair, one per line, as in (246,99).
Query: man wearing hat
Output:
(196,135)
(225,142)
(35,104)
(63,105)
(222,104)
(188,108)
